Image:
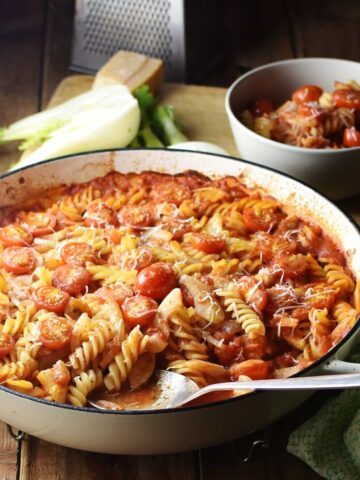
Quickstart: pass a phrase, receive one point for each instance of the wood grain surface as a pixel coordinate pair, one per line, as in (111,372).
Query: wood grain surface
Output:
(35,45)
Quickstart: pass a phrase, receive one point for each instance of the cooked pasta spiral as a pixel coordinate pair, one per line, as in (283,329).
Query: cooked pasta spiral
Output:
(85,383)
(242,313)
(131,348)
(338,278)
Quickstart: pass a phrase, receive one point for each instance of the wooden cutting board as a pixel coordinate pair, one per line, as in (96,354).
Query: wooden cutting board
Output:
(200,109)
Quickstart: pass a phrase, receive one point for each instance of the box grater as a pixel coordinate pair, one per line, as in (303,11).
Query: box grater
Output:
(187,35)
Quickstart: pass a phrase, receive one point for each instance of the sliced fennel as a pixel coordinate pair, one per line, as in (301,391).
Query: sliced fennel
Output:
(108,117)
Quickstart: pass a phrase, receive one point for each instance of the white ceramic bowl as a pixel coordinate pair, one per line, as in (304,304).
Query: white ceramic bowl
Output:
(333,172)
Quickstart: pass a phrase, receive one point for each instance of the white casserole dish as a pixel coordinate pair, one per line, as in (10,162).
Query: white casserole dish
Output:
(192,427)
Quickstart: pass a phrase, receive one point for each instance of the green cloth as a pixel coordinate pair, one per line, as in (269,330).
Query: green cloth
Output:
(329,442)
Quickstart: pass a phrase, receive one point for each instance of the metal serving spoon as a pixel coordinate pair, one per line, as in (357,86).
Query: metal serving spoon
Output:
(175,390)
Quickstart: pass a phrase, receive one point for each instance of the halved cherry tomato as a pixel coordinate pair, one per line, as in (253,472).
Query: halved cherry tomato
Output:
(13,235)
(19,260)
(252,291)
(71,279)
(77,253)
(119,293)
(51,299)
(100,215)
(39,223)
(347,98)
(139,310)
(255,369)
(259,107)
(290,266)
(156,281)
(55,332)
(135,216)
(7,344)
(170,191)
(310,110)
(262,219)
(351,137)
(307,93)
(271,245)
(207,243)
(136,259)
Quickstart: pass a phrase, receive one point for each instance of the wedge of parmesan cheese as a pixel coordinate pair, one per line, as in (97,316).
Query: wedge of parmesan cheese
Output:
(131,69)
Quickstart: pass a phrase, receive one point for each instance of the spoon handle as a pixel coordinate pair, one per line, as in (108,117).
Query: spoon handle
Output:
(322,382)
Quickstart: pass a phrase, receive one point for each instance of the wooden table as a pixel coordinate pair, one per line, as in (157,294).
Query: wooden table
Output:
(35,39)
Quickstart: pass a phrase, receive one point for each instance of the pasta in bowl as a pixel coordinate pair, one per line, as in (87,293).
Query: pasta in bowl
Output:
(302,139)
(210,311)
(312,118)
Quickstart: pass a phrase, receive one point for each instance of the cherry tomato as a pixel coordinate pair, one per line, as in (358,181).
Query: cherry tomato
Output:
(51,299)
(100,215)
(262,219)
(139,310)
(77,253)
(271,245)
(310,110)
(19,260)
(290,266)
(307,93)
(135,216)
(71,279)
(255,369)
(207,243)
(156,281)
(13,235)
(119,293)
(136,259)
(55,332)
(347,98)
(7,344)
(39,223)
(259,107)
(253,292)
(351,137)
(170,191)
